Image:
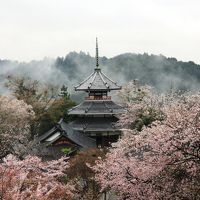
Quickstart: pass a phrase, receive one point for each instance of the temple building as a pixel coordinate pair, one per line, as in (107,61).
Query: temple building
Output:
(96,116)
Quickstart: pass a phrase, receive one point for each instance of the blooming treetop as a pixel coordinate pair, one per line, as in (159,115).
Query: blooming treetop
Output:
(33,179)
(161,161)
(15,116)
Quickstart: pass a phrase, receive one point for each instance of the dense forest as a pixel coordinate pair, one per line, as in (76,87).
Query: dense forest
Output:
(155,70)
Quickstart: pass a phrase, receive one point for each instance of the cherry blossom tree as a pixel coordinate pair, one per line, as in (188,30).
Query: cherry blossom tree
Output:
(133,92)
(33,179)
(142,104)
(15,116)
(162,161)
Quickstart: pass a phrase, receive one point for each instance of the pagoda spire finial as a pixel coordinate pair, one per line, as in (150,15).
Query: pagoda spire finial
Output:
(97,54)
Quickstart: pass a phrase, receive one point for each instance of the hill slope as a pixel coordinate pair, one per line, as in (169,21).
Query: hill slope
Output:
(156,70)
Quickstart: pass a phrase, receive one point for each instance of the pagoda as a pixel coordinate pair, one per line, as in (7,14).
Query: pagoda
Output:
(96,116)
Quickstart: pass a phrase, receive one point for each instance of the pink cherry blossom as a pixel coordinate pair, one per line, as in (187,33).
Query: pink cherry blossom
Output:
(162,161)
(15,117)
(33,179)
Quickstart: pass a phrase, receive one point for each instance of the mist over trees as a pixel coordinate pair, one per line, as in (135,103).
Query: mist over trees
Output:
(155,70)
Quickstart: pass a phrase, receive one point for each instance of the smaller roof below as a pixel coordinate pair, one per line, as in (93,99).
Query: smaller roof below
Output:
(97,81)
(95,124)
(64,129)
(96,107)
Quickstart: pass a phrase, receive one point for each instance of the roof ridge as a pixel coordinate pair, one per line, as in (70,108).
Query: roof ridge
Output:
(110,109)
(95,74)
(109,79)
(88,108)
(85,80)
(105,83)
(75,107)
(85,125)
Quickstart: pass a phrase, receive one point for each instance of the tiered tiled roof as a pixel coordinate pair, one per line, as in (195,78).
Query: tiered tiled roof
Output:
(97,81)
(96,124)
(97,108)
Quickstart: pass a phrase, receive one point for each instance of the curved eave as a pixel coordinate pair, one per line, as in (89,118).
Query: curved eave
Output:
(97,81)
(99,89)
(96,130)
(96,114)
(97,108)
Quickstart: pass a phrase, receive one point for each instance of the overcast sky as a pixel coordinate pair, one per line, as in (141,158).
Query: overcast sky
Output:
(33,29)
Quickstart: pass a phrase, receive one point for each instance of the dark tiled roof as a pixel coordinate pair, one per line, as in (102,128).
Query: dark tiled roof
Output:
(67,131)
(97,81)
(78,137)
(49,133)
(91,124)
(96,107)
